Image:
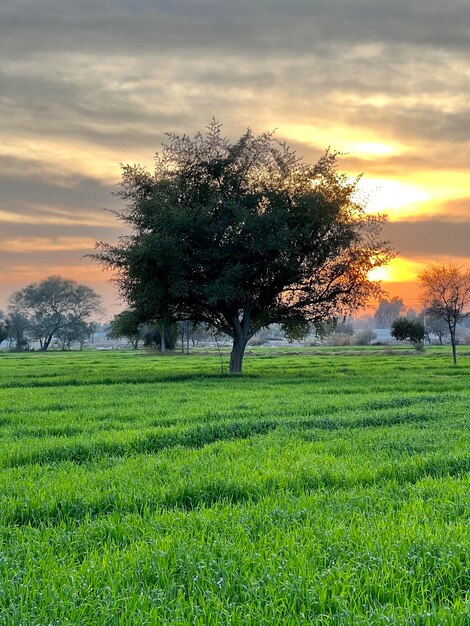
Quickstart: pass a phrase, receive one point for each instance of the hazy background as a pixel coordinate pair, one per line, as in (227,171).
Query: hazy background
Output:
(87,85)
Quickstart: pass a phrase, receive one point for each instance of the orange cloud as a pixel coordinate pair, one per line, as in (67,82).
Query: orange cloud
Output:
(43,244)
(85,273)
(47,215)
(403,269)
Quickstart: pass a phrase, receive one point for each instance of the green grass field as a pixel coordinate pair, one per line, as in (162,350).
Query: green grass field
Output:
(323,487)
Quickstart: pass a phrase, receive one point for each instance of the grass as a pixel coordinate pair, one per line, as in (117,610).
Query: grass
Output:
(323,487)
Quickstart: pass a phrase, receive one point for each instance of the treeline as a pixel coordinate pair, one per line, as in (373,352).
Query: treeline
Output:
(158,334)
(61,313)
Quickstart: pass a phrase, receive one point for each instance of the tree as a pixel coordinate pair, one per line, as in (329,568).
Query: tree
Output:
(435,325)
(365,337)
(446,294)
(126,325)
(184,328)
(54,304)
(77,331)
(160,337)
(387,311)
(4,327)
(18,326)
(406,329)
(243,235)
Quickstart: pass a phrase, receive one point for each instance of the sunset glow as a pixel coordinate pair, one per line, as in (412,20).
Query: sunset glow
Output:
(81,94)
(398,270)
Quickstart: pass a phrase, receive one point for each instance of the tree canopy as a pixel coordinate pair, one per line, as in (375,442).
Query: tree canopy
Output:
(4,327)
(242,235)
(126,325)
(388,311)
(54,306)
(406,329)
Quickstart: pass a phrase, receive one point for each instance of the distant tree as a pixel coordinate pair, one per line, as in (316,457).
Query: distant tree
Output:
(76,332)
(243,235)
(18,326)
(201,333)
(185,330)
(435,326)
(160,337)
(271,333)
(333,326)
(344,328)
(365,337)
(406,329)
(126,325)
(53,304)
(446,293)
(387,311)
(4,327)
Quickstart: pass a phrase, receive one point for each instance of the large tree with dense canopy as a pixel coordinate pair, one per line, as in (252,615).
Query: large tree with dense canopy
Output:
(242,235)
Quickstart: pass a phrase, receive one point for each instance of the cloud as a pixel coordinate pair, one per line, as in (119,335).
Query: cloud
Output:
(111,25)
(86,85)
(429,238)
(25,245)
(117,74)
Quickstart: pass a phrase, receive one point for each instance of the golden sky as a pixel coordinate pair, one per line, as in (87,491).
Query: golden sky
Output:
(85,86)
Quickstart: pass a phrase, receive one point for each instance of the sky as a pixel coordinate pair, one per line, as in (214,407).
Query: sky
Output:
(86,85)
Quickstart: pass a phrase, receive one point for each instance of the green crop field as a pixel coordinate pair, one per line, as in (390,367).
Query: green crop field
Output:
(326,486)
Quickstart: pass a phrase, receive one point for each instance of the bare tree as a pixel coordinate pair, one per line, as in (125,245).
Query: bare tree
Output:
(446,293)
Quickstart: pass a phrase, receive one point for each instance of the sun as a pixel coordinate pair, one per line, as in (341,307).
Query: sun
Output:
(378,273)
(398,270)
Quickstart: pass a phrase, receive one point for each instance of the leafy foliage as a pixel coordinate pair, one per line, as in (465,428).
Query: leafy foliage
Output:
(126,325)
(4,327)
(55,305)
(242,235)
(435,325)
(406,329)
(152,336)
(387,311)
(76,331)
(18,326)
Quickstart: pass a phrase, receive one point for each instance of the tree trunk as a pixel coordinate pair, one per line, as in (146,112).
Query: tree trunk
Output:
(236,356)
(454,349)
(162,343)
